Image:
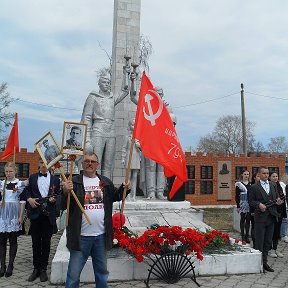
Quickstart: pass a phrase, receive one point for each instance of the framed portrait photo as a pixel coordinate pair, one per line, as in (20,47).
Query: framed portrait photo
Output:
(74,138)
(49,150)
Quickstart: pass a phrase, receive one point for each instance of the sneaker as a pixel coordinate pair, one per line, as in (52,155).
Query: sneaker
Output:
(285,239)
(272,253)
(279,254)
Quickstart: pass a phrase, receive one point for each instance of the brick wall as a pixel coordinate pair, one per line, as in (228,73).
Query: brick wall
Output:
(24,157)
(211,159)
(197,160)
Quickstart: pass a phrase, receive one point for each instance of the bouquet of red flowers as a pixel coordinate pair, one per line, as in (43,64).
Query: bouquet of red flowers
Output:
(159,240)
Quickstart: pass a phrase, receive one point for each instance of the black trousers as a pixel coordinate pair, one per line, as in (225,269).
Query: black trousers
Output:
(276,234)
(263,236)
(41,232)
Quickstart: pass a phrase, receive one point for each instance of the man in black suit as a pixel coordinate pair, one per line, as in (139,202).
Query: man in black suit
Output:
(263,197)
(42,214)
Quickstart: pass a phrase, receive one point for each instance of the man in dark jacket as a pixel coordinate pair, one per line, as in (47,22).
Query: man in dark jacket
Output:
(263,197)
(83,239)
(40,193)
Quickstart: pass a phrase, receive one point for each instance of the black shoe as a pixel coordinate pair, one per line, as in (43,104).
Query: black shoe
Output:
(267,267)
(2,270)
(43,276)
(34,275)
(9,271)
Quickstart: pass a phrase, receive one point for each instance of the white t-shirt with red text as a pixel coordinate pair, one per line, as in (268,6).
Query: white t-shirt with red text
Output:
(94,208)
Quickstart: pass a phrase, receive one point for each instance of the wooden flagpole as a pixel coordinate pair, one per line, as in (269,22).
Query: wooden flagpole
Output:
(128,169)
(14,155)
(69,195)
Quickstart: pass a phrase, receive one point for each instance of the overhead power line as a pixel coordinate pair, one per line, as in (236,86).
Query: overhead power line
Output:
(46,105)
(209,100)
(182,106)
(266,96)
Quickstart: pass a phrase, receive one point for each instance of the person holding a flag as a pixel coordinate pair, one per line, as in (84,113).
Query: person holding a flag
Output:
(83,239)
(11,216)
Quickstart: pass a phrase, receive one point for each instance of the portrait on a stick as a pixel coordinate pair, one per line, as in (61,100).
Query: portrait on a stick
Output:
(48,150)
(73,138)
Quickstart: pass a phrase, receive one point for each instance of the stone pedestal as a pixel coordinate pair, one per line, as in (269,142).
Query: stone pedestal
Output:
(142,214)
(236,219)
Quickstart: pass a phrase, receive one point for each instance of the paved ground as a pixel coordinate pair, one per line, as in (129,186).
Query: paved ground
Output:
(23,268)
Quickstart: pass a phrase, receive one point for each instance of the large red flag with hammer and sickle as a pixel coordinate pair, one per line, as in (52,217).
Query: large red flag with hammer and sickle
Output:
(157,136)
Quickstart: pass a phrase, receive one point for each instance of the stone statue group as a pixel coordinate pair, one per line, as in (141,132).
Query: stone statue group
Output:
(99,115)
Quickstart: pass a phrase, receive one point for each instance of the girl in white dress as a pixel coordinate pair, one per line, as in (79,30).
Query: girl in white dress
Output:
(11,216)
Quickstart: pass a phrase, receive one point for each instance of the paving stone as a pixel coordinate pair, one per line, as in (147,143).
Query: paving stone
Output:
(23,268)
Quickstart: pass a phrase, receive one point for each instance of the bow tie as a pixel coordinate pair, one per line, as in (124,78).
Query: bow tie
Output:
(40,174)
(10,186)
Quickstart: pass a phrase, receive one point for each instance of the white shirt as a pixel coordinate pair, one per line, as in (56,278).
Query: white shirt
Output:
(44,184)
(94,207)
(265,185)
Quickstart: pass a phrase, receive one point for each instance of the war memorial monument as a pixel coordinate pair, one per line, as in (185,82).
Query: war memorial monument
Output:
(143,212)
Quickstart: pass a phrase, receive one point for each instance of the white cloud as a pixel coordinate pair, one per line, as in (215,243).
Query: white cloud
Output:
(53,16)
(202,50)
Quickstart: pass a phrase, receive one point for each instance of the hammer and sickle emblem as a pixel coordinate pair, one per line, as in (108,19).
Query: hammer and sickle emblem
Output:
(150,116)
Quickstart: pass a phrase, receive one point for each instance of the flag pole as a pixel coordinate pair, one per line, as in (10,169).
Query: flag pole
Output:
(14,155)
(69,194)
(128,169)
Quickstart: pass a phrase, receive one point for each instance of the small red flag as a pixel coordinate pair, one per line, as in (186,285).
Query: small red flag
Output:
(157,135)
(13,140)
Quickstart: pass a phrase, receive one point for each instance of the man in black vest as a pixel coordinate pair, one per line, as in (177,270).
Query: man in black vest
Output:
(42,214)
(263,197)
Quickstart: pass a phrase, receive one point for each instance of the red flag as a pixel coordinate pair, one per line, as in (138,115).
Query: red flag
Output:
(13,140)
(157,136)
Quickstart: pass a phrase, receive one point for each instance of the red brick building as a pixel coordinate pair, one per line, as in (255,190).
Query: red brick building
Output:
(212,177)
(27,163)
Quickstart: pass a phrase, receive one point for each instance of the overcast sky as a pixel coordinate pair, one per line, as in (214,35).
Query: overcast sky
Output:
(202,50)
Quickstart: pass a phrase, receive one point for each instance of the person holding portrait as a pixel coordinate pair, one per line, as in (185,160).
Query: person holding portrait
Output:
(83,239)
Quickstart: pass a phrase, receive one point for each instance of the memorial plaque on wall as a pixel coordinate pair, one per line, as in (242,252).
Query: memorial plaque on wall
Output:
(224,180)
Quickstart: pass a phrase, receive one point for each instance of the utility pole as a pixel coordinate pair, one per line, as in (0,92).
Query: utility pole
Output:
(243,120)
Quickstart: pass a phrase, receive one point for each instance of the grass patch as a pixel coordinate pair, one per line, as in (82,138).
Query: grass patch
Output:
(219,218)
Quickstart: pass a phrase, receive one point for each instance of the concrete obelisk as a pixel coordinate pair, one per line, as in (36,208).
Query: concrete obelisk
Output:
(126,36)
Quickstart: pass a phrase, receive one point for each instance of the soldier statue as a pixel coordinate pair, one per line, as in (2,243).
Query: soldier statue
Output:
(99,115)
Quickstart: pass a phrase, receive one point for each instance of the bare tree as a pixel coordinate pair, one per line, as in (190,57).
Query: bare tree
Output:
(278,145)
(145,51)
(255,146)
(226,136)
(5,116)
